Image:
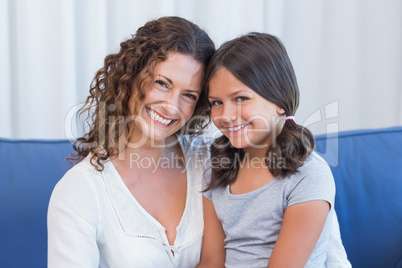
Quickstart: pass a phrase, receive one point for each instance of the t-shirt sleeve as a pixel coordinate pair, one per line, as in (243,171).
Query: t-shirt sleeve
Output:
(315,185)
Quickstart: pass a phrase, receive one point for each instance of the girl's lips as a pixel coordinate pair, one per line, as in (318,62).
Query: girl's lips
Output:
(237,129)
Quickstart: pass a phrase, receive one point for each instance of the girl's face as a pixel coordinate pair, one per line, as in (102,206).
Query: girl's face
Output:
(244,117)
(170,101)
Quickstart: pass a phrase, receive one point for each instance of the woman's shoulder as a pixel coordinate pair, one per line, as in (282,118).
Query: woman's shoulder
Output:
(198,143)
(78,177)
(75,197)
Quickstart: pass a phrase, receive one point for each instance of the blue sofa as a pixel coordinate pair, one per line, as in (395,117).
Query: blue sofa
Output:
(367,166)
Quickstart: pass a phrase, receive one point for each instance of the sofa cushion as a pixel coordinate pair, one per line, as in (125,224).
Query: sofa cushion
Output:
(29,170)
(367,167)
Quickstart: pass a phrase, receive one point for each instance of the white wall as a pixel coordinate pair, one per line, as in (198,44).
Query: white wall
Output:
(347,54)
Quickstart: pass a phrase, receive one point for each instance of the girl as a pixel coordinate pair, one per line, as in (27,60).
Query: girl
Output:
(270,200)
(132,200)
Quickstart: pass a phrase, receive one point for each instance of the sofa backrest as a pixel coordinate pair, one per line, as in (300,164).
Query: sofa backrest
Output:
(29,170)
(367,167)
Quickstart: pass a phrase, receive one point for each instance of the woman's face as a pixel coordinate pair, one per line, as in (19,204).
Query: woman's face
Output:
(244,117)
(170,100)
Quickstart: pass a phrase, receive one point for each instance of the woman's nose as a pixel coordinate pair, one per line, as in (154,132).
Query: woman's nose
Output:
(171,105)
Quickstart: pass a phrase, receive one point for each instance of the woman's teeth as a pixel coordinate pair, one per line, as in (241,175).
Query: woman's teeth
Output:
(237,128)
(156,117)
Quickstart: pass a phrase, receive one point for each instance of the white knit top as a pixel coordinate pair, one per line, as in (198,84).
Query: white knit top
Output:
(95,221)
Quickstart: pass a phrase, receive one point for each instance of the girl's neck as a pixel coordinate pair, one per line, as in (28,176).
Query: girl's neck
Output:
(254,153)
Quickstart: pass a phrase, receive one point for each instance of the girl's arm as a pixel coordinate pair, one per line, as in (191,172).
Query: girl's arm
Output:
(302,226)
(213,246)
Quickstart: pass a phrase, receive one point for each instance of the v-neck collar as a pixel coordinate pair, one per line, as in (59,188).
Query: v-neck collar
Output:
(150,218)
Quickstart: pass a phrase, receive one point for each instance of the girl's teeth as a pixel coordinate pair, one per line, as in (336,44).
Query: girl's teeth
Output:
(236,128)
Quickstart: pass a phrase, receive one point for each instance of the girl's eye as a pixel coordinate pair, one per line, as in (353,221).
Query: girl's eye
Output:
(160,83)
(191,96)
(240,99)
(216,103)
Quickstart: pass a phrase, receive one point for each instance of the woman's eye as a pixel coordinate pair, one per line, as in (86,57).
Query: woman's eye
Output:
(240,99)
(191,96)
(161,83)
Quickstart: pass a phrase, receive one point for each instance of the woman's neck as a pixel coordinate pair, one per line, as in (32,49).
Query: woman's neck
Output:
(148,148)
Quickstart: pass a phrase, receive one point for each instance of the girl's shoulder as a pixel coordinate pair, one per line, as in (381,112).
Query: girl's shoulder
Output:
(314,173)
(313,181)
(314,163)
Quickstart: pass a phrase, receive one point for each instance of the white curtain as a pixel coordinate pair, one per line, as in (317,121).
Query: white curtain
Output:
(347,55)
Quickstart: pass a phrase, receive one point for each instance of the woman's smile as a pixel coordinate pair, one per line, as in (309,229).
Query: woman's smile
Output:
(159,119)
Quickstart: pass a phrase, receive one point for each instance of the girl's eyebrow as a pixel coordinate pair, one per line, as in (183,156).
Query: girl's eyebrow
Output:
(230,95)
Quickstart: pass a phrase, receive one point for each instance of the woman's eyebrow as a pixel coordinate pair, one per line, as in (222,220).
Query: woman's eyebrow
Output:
(167,78)
(193,91)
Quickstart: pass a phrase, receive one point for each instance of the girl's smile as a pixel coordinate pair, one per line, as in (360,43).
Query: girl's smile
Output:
(244,117)
(234,130)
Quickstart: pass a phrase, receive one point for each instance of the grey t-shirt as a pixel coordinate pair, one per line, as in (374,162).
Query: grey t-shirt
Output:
(252,221)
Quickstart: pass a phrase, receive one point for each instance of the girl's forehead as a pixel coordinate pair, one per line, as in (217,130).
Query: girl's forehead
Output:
(225,82)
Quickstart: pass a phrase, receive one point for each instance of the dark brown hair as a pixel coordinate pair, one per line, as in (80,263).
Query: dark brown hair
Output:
(125,74)
(260,61)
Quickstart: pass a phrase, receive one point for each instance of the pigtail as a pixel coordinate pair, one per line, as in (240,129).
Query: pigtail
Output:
(290,149)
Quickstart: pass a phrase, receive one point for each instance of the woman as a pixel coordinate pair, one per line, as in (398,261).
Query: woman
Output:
(133,198)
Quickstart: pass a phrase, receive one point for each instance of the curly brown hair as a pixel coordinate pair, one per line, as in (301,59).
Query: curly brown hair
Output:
(124,76)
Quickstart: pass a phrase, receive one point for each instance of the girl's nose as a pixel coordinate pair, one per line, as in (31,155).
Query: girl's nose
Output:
(230,112)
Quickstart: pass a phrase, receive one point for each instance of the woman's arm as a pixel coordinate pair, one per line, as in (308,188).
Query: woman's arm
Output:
(336,254)
(213,246)
(302,226)
(73,218)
